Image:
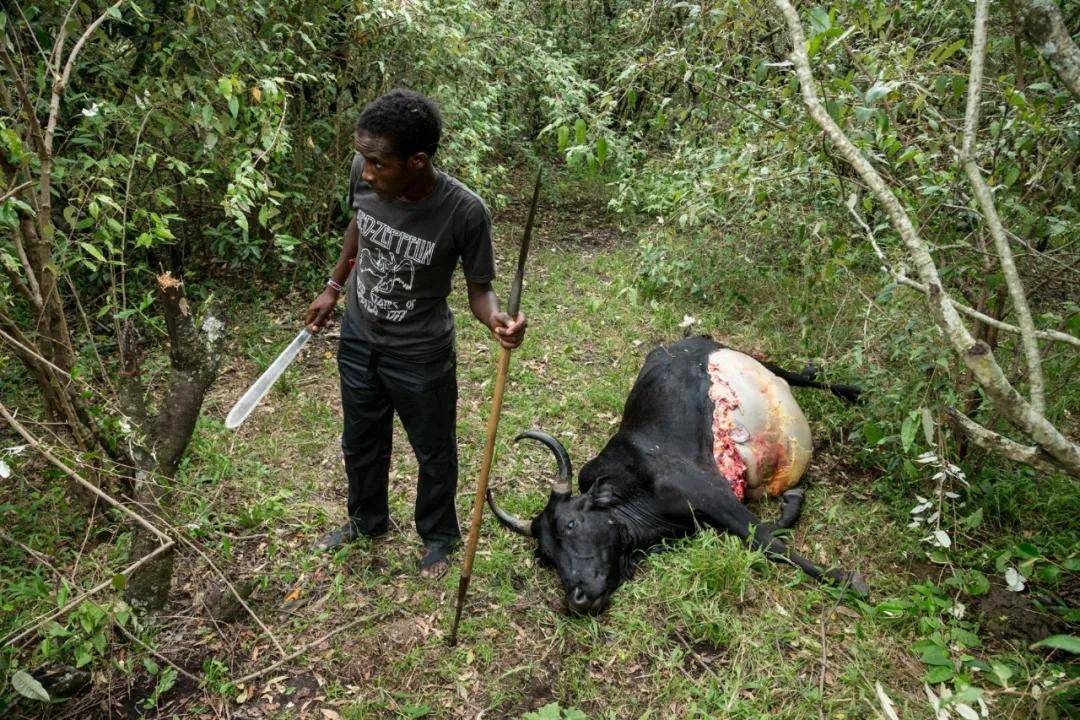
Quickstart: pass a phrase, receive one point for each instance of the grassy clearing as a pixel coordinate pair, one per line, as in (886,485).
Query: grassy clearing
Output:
(707,629)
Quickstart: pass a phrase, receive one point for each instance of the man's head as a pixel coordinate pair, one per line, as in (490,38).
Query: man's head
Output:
(398,134)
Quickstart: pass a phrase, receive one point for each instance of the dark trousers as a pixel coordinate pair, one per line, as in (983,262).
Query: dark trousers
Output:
(424,394)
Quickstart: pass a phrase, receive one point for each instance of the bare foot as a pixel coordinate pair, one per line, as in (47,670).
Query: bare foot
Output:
(436,570)
(435,563)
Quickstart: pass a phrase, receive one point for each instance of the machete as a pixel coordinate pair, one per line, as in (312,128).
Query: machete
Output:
(493,421)
(255,393)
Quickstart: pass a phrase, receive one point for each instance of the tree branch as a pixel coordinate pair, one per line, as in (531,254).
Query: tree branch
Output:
(14,191)
(993,222)
(44,452)
(61,83)
(1000,445)
(1050,335)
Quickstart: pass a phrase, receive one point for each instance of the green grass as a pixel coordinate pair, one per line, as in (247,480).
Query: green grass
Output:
(708,628)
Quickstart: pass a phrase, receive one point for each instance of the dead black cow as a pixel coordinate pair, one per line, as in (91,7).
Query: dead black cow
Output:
(705,428)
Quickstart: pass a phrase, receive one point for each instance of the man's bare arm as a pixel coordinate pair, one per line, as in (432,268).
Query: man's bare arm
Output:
(484,304)
(319,310)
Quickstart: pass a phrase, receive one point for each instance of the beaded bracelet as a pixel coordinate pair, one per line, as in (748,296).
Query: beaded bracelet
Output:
(334,285)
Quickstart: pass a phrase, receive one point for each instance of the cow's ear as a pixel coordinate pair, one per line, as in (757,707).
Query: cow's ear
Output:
(602,494)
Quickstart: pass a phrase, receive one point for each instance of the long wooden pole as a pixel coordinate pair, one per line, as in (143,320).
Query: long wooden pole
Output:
(493,420)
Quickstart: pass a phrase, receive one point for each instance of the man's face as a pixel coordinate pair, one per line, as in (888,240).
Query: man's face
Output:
(386,173)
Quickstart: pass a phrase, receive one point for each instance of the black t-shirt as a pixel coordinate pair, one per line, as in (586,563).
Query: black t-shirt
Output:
(406,255)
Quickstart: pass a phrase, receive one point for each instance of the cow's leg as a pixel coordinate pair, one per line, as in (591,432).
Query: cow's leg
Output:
(708,499)
(762,539)
(791,502)
(804,379)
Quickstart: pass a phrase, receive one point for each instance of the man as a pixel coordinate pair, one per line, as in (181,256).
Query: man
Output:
(411,225)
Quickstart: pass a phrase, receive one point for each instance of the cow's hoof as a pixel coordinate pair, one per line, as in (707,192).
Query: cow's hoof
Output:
(849,581)
(793,493)
(856,584)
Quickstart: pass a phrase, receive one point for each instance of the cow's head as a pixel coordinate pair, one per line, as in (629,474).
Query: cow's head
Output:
(580,536)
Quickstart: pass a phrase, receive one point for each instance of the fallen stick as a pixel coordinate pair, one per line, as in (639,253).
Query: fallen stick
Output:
(315,643)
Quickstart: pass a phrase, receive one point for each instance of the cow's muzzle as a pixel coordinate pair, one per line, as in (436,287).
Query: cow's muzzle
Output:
(578,602)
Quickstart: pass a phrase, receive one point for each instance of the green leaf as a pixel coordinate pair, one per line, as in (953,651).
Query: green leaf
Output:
(907,155)
(1027,550)
(579,131)
(234,106)
(82,655)
(1001,673)
(939,56)
(224,85)
(548,712)
(564,137)
(25,684)
(601,150)
(973,520)
(119,581)
(908,429)
(976,583)
(932,653)
(938,674)
(93,251)
(966,638)
(872,433)
(1068,643)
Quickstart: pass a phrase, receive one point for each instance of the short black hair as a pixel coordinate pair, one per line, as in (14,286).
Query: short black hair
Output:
(408,119)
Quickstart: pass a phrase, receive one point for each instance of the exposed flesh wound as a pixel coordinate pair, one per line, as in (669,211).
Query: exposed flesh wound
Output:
(725,450)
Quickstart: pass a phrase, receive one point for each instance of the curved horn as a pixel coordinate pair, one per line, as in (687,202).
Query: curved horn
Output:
(559,488)
(562,487)
(521,527)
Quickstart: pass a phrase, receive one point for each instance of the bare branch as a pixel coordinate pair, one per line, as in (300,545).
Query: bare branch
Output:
(999,444)
(62,81)
(14,191)
(38,300)
(155,653)
(36,135)
(31,552)
(26,631)
(239,598)
(44,452)
(314,644)
(1051,335)
(993,222)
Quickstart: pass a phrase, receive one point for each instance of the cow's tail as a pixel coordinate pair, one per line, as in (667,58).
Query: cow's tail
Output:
(805,378)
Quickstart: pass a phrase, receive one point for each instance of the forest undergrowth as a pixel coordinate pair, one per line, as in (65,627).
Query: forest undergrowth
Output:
(708,628)
(171,169)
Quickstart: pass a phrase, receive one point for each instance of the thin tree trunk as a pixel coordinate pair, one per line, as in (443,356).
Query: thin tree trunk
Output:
(195,355)
(1045,29)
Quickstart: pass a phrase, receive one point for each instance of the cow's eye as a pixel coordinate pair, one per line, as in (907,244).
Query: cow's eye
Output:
(570,525)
